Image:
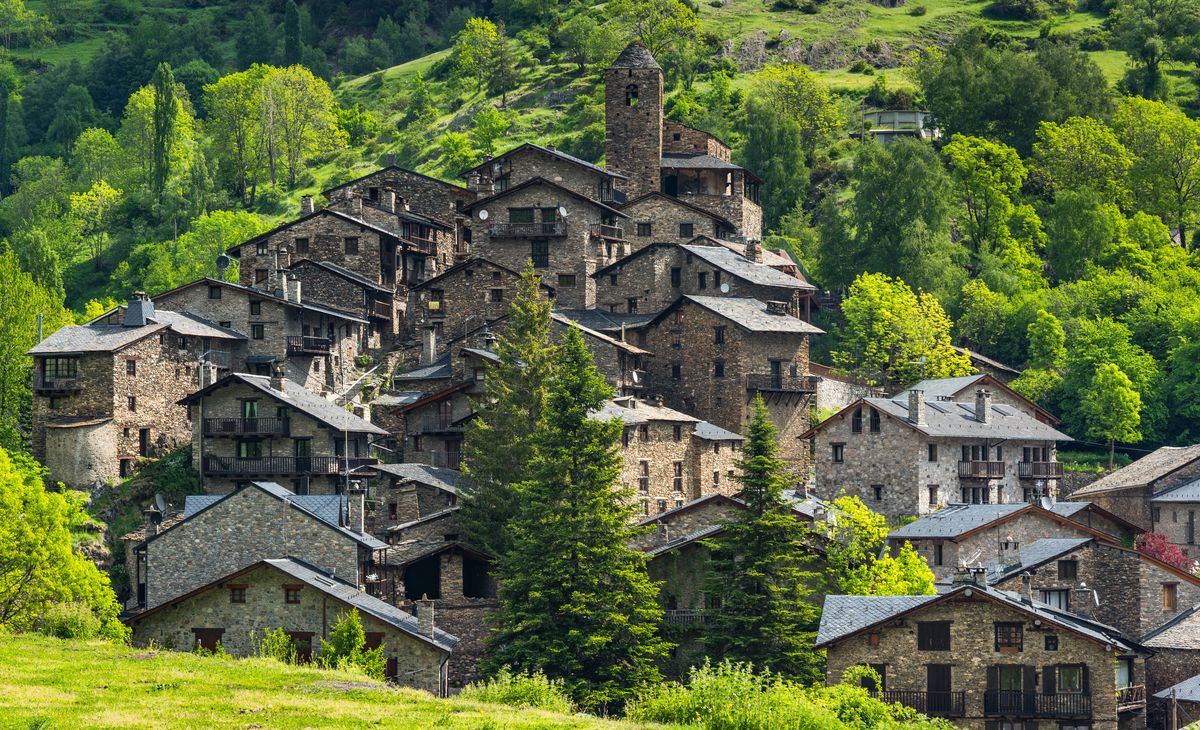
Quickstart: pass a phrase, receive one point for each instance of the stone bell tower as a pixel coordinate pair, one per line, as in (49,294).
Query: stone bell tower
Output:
(633,119)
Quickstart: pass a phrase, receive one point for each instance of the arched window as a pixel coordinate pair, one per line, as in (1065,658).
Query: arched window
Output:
(631,95)
(874,421)
(856,421)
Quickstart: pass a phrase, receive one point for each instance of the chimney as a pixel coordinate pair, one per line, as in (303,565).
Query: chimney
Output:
(306,205)
(139,310)
(485,188)
(1010,553)
(283,291)
(658,400)
(777,308)
(153,520)
(293,286)
(389,201)
(424,608)
(356,507)
(278,379)
(428,345)
(753,251)
(208,374)
(1027,588)
(963,575)
(916,407)
(983,406)
(356,206)
(1084,601)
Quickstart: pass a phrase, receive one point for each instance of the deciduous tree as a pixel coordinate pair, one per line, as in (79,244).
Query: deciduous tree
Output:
(660,25)
(1165,146)
(299,113)
(1113,408)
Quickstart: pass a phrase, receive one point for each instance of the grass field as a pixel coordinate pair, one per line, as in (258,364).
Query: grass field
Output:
(52,684)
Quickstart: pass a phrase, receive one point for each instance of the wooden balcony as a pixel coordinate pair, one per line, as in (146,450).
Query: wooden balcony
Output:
(980,469)
(380,310)
(306,345)
(424,245)
(686,616)
(613,233)
(266,465)
(1016,703)
(444,459)
(781,383)
(1131,699)
(436,423)
(934,704)
(556,229)
(267,426)
(53,384)
(1040,470)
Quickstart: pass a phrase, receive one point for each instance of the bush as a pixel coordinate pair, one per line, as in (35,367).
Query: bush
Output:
(535,691)
(70,621)
(862,67)
(917,10)
(279,646)
(346,648)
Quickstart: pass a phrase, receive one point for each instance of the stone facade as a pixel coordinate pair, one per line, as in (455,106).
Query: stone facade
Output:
(680,138)
(532,161)
(973,656)
(465,297)
(434,198)
(657,217)
(264,607)
(341,290)
(633,120)
(1177,520)
(622,364)
(238,531)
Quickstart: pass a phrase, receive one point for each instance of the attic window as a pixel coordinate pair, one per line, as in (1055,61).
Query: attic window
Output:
(631,95)
(676,136)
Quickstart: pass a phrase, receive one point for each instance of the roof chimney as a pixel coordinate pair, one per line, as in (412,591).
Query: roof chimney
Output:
(356,206)
(294,290)
(774,307)
(424,608)
(1010,553)
(278,379)
(753,251)
(153,519)
(983,406)
(1027,588)
(139,310)
(389,201)
(428,345)
(306,205)
(356,508)
(1084,601)
(916,407)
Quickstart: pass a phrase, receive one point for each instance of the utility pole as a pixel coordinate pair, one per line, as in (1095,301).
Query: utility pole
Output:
(1174,725)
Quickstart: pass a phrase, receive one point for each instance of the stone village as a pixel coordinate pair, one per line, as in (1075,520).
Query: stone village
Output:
(320,495)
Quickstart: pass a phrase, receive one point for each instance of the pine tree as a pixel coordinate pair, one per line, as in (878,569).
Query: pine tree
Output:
(575,599)
(498,445)
(761,568)
(165,109)
(291,34)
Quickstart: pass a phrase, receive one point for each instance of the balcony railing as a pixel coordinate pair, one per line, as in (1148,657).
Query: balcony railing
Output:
(220,358)
(267,426)
(306,345)
(686,616)
(998,702)
(238,466)
(615,233)
(1039,469)
(56,383)
(980,469)
(937,704)
(781,383)
(437,423)
(444,459)
(527,230)
(1131,698)
(424,245)
(380,310)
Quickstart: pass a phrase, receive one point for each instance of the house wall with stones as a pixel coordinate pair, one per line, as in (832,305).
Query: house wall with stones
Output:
(321,286)
(400,501)
(412,540)
(972,651)
(428,248)
(432,434)
(529,162)
(1179,522)
(239,531)
(682,138)
(463,299)
(265,609)
(651,453)
(429,197)
(1165,668)
(664,218)
(678,523)
(466,617)
(633,132)
(621,363)
(321,237)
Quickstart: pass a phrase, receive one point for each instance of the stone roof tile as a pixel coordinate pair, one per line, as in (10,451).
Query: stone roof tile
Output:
(1145,470)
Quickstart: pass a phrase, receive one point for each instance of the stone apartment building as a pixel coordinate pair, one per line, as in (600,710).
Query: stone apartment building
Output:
(987,659)
(471,293)
(407,492)
(529,161)
(238,608)
(315,344)
(429,196)
(105,394)
(910,457)
(253,427)
(713,354)
(1157,492)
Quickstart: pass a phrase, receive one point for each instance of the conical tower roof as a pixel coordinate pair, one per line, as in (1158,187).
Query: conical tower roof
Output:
(636,55)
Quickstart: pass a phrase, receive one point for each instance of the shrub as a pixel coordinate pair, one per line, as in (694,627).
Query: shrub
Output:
(917,10)
(862,67)
(345,648)
(279,646)
(534,690)
(70,621)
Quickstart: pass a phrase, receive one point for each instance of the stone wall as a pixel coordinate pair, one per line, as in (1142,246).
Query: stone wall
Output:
(678,523)
(471,296)
(664,215)
(1180,522)
(1166,668)
(321,286)
(429,197)
(421,538)
(633,133)
(265,609)
(239,531)
(972,651)
(527,163)
(682,138)
(326,236)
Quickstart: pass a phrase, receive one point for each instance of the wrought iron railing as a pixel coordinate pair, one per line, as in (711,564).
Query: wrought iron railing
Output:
(234,465)
(305,345)
(251,426)
(686,616)
(938,704)
(527,230)
(781,382)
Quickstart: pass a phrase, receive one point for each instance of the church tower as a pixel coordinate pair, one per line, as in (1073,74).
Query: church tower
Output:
(633,119)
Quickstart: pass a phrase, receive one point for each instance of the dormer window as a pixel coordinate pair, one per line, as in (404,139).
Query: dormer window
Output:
(631,95)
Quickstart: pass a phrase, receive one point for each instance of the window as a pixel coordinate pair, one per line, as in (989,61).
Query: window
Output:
(677,432)
(301,245)
(1069,679)
(676,371)
(125,467)
(55,368)
(55,403)
(877,492)
(677,476)
(874,420)
(227,324)
(291,594)
(1060,599)
(214,292)
(566,281)
(257,331)
(612,279)
(716,477)
(256,308)
(520,215)
(933,495)
(645,506)
(933,635)
(719,335)
(182,342)
(131,401)
(839,453)
(932,452)
(1068,569)
(237,594)
(643,476)
(716,279)
(351,244)
(685,230)
(938,554)
(261,248)
(1009,636)
(643,230)
(1170,595)
(631,305)
(718,368)
(643,433)
(702,280)
(1155,515)
(250,449)
(631,95)
(260,276)
(539,253)
(1051,642)
(131,368)
(496,296)
(676,276)
(662,506)
(856,421)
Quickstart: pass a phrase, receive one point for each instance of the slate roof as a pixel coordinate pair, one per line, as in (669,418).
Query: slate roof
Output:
(439,368)
(952,419)
(1186,691)
(553,153)
(1181,632)
(710,432)
(641,412)
(712,497)
(531,182)
(743,268)
(675,544)
(266,296)
(943,388)
(421,520)
(684,161)
(774,259)
(1189,492)
(681,203)
(599,320)
(635,55)
(752,315)
(1150,468)
(956,520)
(186,323)
(403,398)
(81,338)
(598,335)
(236,249)
(447,480)
(1033,554)
(345,273)
(443,183)
(300,398)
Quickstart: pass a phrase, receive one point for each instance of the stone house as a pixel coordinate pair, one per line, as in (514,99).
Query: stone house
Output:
(332,285)
(238,608)
(431,429)
(735,348)
(426,195)
(566,235)
(316,345)
(252,427)
(657,217)
(779,260)
(622,363)
(1175,657)
(1128,491)
(910,457)
(529,161)
(1173,514)
(105,394)
(653,277)
(987,659)
(407,492)
(221,534)
(964,388)
(471,293)
(972,534)
(836,390)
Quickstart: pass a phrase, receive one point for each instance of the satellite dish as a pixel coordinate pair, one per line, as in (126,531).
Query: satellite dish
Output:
(483,214)
(223,262)
(724,287)
(562,212)
(160,503)
(636,378)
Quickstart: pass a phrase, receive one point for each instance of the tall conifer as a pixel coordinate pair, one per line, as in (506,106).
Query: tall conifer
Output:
(165,109)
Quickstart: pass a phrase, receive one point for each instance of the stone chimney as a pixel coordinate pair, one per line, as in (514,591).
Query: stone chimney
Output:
(428,345)
(356,206)
(1083,603)
(389,201)
(1010,553)
(356,509)
(658,400)
(1027,588)
(424,609)
(153,520)
(754,251)
(777,308)
(139,311)
(306,205)
(293,290)
(278,379)
(983,406)
(916,407)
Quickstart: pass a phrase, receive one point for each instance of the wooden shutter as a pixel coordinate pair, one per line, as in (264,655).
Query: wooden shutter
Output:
(1049,680)
(1083,682)
(1029,688)
(993,677)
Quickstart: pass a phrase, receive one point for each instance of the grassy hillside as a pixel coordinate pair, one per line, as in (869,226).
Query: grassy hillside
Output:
(43,684)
